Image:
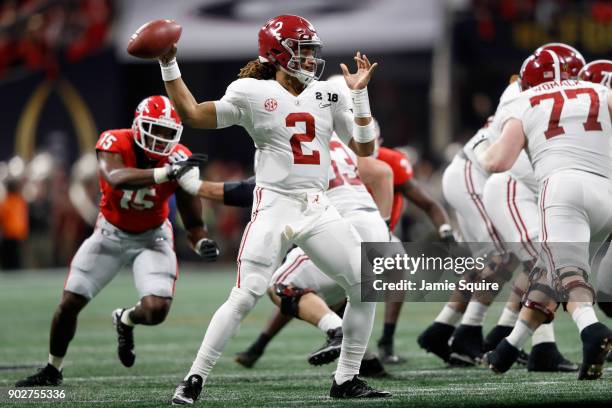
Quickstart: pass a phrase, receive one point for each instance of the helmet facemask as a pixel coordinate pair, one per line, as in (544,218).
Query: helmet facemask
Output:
(157,136)
(305,63)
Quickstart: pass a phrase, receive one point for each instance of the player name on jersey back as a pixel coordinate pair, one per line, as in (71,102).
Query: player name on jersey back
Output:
(567,125)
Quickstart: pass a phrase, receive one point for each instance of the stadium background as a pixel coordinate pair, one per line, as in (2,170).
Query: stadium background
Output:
(65,77)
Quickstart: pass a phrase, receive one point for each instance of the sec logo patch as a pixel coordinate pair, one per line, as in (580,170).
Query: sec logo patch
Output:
(270,104)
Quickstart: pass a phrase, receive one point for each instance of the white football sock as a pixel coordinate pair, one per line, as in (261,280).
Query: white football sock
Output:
(543,334)
(330,321)
(508,318)
(449,316)
(584,316)
(56,362)
(125,317)
(356,328)
(474,314)
(520,334)
(221,329)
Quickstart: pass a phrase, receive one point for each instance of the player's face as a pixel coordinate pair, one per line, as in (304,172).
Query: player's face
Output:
(308,59)
(164,136)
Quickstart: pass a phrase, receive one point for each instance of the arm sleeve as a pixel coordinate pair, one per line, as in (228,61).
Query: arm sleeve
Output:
(233,108)
(239,193)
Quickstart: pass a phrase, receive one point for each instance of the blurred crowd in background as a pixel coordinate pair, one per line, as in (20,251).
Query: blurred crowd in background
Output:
(65,78)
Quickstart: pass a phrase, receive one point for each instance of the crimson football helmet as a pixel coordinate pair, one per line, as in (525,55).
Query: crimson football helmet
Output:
(599,71)
(568,55)
(291,42)
(542,66)
(157,127)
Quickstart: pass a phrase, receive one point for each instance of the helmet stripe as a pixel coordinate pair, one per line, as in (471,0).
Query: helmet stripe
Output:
(556,64)
(167,107)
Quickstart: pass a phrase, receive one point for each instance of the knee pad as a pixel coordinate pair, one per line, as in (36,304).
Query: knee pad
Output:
(604,301)
(290,298)
(564,289)
(254,280)
(530,304)
(242,300)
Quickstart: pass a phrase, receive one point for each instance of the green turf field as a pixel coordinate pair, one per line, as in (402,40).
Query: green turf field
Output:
(93,376)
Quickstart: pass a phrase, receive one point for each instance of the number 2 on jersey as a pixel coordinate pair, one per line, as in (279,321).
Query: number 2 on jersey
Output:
(296,140)
(559,100)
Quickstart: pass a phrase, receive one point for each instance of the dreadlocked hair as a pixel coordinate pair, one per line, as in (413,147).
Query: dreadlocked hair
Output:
(258,70)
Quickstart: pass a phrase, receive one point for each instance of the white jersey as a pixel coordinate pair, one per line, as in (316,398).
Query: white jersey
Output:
(346,191)
(522,170)
(291,133)
(492,130)
(481,137)
(567,126)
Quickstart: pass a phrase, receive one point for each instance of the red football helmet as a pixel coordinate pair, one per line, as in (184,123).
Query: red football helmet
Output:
(568,55)
(543,66)
(599,71)
(157,127)
(291,42)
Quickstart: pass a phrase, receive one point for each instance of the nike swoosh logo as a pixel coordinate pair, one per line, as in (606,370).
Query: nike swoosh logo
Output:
(324,105)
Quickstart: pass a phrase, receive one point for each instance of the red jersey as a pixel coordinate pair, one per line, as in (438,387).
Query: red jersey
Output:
(140,210)
(402,172)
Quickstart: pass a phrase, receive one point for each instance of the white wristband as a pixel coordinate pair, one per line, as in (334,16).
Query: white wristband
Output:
(361,103)
(365,134)
(170,71)
(160,175)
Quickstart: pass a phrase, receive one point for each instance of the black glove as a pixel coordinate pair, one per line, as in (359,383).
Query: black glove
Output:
(446,234)
(207,249)
(178,169)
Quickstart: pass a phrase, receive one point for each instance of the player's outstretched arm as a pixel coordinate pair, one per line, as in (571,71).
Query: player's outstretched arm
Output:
(124,178)
(364,130)
(231,193)
(190,210)
(378,177)
(417,194)
(197,115)
(502,154)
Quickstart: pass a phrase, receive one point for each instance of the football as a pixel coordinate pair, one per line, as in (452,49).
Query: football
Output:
(154,38)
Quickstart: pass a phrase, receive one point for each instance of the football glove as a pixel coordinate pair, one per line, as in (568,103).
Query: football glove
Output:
(207,249)
(178,169)
(446,234)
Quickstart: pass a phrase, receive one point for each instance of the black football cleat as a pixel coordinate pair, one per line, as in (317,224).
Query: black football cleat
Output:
(329,351)
(372,367)
(435,339)
(545,357)
(125,339)
(596,343)
(466,346)
(497,334)
(188,391)
(387,354)
(47,376)
(247,358)
(356,388)
(501,359)
(523,358)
